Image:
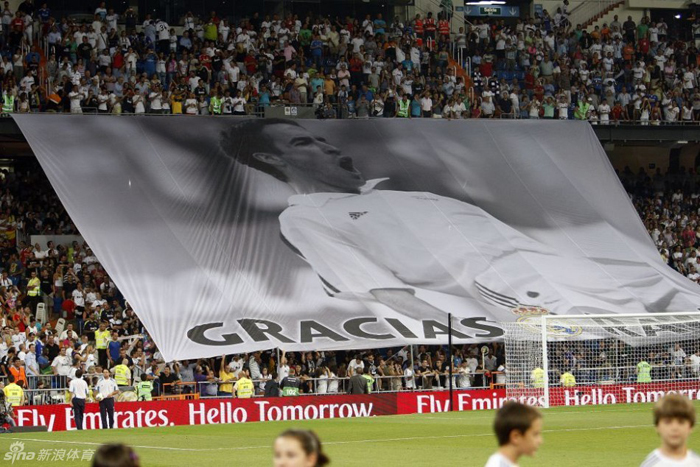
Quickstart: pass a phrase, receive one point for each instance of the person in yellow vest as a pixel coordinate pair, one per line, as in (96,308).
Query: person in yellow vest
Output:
(33,291)
(404,107)
(102,336)
(8,102)
(144,389)
(567,380)
(537,378)
(370,382)
(644,370)
(122,374)
(14,394)
(244,386)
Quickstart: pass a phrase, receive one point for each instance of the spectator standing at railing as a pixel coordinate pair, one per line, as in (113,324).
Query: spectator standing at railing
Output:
(225,376)
(283,368)
(30,363)
(369,381)
(272,387)
(167,379)
(254,364)
(355,364)
(61,365)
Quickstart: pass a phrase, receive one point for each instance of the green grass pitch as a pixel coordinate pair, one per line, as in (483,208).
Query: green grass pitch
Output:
(618,435)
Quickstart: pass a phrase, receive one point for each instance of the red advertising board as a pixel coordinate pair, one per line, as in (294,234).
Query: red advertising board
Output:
(632,393)
(220,411)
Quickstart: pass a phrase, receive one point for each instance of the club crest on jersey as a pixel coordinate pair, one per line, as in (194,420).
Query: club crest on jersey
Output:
(356,215)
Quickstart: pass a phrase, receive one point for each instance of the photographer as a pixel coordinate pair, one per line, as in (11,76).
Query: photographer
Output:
(6,412)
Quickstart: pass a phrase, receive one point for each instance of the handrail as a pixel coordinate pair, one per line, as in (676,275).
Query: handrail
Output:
(586,11)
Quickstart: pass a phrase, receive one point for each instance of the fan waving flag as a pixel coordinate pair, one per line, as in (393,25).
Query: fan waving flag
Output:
(232,235)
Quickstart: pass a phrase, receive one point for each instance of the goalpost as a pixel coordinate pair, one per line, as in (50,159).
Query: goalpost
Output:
(601,359)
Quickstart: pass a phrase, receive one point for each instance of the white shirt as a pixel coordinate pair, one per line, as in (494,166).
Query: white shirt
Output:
(354,365)
(282,372)
(235,366)
(358,244)
(163,31)
(75,101)
(657,459)
(499,460)
(62,363)
(333,384)
(238,104)
(31,365)
(107,387)
(501,377)
(463,381)
(69,335)
(79,297)
(695,363)
(156,100)
(79,388)
(322,384)
(408,378)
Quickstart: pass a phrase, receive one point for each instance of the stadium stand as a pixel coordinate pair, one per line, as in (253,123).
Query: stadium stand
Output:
(543,68)
(78,295)
(534,68)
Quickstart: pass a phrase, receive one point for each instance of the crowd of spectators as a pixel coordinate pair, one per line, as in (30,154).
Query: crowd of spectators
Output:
(541,67)
(537,68)
(549,68)
(211,66)
(101,331)
(669,205)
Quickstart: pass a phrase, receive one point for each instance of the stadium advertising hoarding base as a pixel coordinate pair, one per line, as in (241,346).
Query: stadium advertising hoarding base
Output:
(223,411)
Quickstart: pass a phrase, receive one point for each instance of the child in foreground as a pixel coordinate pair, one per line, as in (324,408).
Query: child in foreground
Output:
(299,448)
(518,429)
(674,417)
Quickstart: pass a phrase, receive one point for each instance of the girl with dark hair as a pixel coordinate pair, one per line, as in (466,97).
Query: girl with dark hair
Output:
(299,448)
(115,455)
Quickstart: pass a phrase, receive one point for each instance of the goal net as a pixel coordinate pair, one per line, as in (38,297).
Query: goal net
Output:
(602,359)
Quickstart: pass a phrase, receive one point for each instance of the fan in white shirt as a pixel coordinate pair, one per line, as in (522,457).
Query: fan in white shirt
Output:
(604,112)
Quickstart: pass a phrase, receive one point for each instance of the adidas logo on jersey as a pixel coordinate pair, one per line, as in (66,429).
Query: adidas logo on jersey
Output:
(356,215)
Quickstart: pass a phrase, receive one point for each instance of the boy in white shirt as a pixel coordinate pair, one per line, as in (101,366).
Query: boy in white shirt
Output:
(674,417)
(518,428)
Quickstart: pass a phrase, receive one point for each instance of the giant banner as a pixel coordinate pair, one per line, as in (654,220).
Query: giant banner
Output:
(232,235)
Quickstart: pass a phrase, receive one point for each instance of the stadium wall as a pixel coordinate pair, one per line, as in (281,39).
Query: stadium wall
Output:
(222,411)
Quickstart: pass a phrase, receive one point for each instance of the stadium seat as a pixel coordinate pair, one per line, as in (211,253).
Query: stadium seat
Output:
(60,326)
(41,314)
